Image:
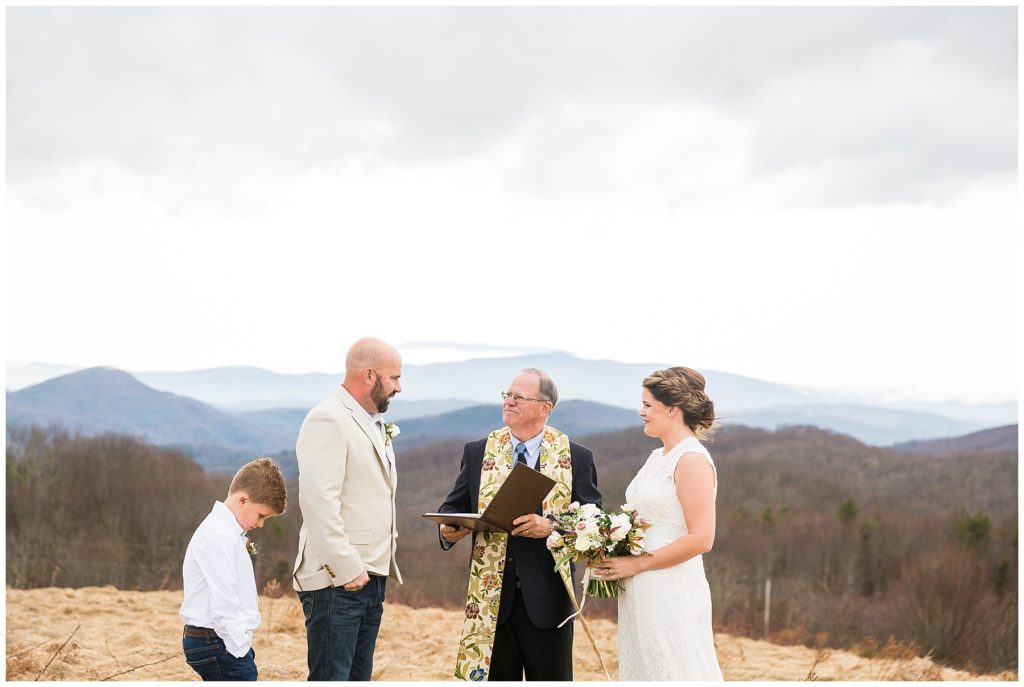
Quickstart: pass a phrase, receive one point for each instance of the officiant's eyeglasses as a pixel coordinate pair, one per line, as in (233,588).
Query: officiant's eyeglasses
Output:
(519,398)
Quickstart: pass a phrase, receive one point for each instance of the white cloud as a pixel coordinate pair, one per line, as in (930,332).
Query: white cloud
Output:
(821,196)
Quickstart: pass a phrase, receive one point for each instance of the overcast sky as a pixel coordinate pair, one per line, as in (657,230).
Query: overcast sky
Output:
(819,196)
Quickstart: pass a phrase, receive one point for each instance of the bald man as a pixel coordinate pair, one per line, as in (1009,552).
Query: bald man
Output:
(347,482)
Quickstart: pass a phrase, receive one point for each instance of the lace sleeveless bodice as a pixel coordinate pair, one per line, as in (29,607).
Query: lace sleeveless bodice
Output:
(665,615)
(653,492)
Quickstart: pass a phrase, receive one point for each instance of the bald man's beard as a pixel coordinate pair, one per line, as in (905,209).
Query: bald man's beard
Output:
(379,398)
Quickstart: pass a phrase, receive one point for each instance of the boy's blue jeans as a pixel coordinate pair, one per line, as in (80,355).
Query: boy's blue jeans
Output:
(208,657)
(341,630)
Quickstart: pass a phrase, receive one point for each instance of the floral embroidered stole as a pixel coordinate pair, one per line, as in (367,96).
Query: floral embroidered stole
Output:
(488,559)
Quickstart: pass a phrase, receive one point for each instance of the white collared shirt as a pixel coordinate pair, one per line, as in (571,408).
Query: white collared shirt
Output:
(220,587)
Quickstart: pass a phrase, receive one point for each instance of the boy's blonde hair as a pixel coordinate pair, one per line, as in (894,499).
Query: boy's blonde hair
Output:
(262,480)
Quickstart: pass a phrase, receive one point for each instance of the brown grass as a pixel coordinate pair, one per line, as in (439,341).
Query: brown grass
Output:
(122,630)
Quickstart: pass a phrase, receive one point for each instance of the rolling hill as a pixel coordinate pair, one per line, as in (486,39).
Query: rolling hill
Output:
(575,418)
(442,387)
(995,439)
(869,424)
(475,381)
(100,400)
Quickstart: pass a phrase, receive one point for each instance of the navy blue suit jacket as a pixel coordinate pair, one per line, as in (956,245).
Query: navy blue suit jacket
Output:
(547,603)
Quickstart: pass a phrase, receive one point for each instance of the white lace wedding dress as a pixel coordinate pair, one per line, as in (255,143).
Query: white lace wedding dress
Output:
(665,615)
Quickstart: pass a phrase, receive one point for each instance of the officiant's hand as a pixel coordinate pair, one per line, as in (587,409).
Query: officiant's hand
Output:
(454,534)
(532,525)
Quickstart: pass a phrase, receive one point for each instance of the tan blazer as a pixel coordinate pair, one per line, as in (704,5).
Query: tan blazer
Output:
(347,480)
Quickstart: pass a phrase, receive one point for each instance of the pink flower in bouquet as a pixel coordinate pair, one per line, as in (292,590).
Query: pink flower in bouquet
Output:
(554,540)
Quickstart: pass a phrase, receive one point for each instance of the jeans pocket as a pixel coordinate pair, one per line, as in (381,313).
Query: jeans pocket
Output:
(306,599)
(198,658)
(208,668)
(199,650)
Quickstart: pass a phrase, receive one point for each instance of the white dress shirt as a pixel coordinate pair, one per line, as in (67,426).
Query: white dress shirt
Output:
(220,587)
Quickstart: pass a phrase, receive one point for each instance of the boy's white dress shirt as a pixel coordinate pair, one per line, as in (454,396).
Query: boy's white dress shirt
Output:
(220,587)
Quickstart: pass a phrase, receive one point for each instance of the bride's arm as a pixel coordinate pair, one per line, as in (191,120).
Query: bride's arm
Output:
(695,488)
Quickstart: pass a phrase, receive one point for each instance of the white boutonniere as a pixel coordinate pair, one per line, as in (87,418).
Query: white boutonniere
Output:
(250,546)
(391,431)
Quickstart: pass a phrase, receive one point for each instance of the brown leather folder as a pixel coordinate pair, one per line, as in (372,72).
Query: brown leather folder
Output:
(522,492)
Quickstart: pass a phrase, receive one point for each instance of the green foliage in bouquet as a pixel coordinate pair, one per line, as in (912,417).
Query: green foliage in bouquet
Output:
(586,533)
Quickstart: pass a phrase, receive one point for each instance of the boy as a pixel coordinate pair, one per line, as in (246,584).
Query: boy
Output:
(220,609)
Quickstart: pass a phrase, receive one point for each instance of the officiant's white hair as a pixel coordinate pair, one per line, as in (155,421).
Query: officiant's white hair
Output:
(548,392)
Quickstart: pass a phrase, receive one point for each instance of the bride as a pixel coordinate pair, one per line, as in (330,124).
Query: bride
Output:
(665,603)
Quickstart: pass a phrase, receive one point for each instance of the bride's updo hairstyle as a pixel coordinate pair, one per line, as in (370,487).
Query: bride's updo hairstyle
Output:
(683,388)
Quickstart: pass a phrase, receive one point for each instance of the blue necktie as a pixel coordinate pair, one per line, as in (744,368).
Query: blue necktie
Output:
(521,453)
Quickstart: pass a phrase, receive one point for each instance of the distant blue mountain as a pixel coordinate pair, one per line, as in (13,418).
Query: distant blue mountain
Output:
(994,439)
(30,374)
(868,424)
(575,418)
(471,381)
(285,422)
(246,388)
(436,389)
(99,400)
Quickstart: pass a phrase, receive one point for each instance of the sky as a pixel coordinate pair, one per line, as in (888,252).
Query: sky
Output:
(820,196)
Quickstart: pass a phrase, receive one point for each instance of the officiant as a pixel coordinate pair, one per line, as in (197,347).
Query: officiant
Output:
(515,599)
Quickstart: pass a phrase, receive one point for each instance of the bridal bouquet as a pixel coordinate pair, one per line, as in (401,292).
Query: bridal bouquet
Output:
(586,533)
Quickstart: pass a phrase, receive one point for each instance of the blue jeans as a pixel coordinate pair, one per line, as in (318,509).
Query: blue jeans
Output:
(341,630)
(208,657)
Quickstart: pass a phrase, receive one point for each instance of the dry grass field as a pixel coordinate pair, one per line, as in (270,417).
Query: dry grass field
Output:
(124,635)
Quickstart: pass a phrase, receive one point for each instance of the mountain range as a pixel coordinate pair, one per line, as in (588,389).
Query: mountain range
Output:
(100,400)
(441,387)
(474,381)
(994,439)
(222,412)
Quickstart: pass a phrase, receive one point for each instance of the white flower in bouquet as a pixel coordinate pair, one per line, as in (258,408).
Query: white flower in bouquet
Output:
(589,511)
(620,526)
(626,508)
(585,543)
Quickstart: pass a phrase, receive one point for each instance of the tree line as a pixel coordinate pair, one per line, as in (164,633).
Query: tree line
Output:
(857,541)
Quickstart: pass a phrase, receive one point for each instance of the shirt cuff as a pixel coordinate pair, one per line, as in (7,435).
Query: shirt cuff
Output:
(445,543)
(237,646)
